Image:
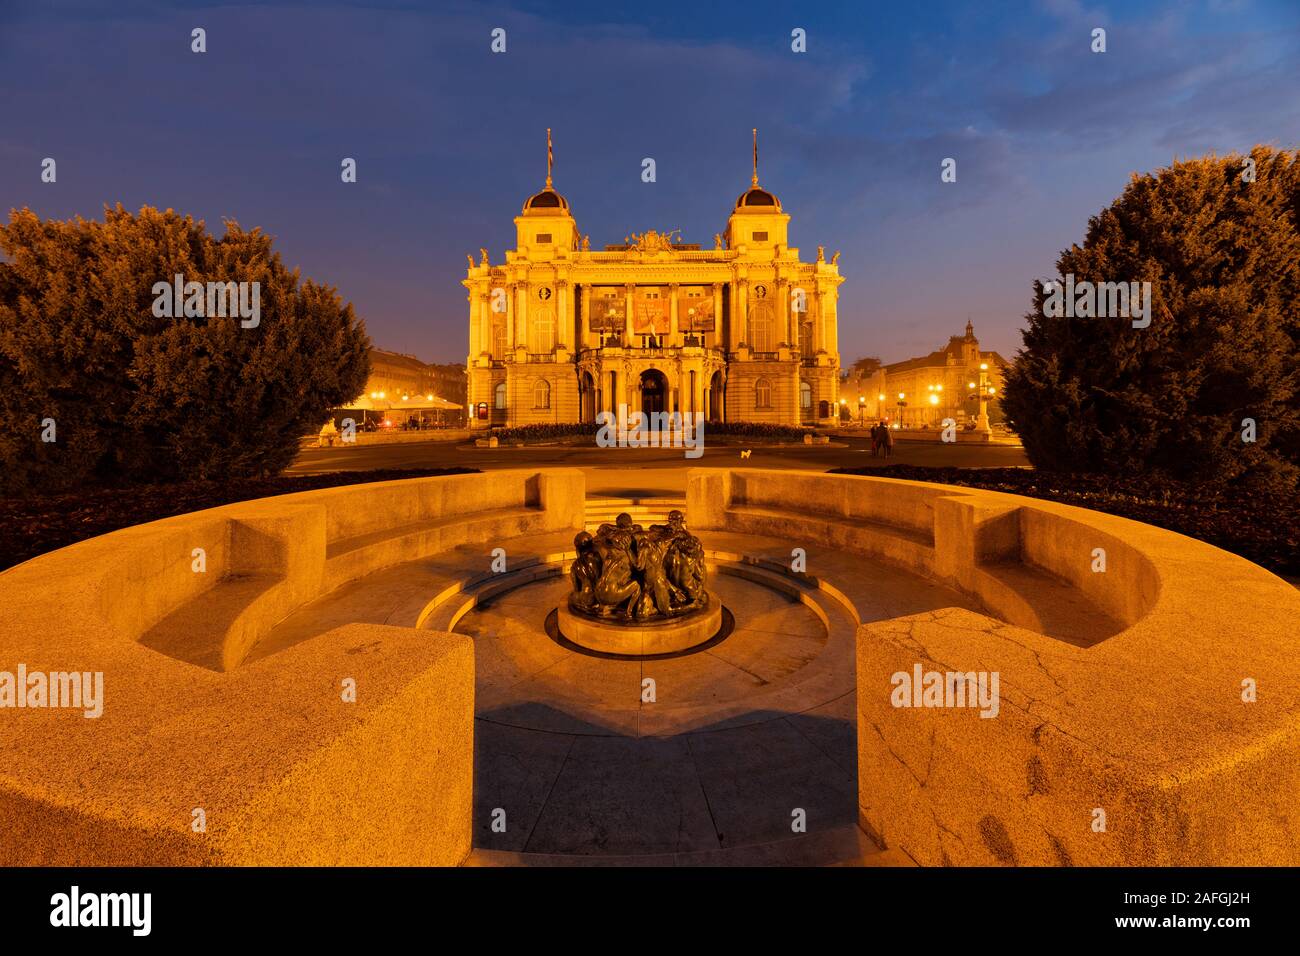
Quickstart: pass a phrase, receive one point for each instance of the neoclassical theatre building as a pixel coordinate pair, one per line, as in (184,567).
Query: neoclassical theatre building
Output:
(743,331)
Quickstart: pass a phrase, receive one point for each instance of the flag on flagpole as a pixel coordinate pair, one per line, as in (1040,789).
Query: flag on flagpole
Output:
(550,157)
(755,179)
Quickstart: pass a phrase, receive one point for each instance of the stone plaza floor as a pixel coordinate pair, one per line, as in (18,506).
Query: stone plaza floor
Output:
(576,762)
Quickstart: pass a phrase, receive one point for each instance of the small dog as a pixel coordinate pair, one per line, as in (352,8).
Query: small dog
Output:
(745,453)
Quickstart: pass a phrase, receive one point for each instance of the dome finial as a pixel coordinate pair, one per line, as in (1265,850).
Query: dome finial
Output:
(754,179)
(550,157)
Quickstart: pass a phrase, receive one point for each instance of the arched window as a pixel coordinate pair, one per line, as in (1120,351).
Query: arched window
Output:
(762,393)
(805,396)
(542,394)
(544,331)
(501,395)
(498,337)
(760,327)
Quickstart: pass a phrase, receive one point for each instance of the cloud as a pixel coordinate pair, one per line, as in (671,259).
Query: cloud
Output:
(450,138)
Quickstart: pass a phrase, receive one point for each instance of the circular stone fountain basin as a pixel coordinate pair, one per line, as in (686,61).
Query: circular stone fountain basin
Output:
(670,636)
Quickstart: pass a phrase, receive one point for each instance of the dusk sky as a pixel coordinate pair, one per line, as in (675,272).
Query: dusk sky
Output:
(450,139)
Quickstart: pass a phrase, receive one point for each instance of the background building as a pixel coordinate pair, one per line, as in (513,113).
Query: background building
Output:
(744,331)
(402,388)
(926,390)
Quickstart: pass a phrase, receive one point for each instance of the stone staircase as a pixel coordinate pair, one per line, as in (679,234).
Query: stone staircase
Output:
(644,511)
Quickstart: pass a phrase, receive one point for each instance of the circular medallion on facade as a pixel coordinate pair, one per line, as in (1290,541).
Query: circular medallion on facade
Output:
(543,293)
(760,292)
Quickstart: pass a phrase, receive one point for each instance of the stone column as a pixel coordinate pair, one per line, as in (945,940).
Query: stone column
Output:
(717,314)
(521,314)
(630,290)
(672,315)
(745,332)
(832,321)
(794,411)
(819,337)
(484,323)
(563,324)
(733,316)
(742,310)
(475,324)
(783,309)
(585,330)
(512,310)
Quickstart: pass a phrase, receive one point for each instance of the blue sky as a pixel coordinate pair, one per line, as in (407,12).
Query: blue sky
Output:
(450,138)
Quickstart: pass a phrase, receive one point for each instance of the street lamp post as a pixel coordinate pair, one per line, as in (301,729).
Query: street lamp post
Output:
(982,423)
(862,409)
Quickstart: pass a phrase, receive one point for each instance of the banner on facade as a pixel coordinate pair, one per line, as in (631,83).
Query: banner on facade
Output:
(651,312)
(607,315)
(695,313)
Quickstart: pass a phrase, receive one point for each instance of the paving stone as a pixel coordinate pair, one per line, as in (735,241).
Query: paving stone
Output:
(625,795)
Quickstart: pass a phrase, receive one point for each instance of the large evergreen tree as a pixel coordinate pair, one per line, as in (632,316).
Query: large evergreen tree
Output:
(134,397)
(1222,253)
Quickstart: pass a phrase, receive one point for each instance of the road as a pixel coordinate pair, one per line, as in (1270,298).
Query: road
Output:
(634,472)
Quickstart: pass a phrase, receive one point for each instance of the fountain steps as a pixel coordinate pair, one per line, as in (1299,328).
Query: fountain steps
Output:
(643,510)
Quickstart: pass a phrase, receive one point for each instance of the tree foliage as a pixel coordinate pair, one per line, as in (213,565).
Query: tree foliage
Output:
(137,398)
(1222,254)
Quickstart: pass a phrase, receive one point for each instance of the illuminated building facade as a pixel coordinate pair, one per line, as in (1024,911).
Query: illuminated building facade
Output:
(744,331)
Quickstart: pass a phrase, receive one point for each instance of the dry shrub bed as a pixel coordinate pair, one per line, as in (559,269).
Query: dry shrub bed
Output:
(1261,526)
(34,525)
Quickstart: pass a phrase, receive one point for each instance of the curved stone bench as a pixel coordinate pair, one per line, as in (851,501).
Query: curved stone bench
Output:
(1121,733)
(1127,741)
(200,756)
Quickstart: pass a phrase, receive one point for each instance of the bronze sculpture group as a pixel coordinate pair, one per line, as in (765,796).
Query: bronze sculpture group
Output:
(638,575)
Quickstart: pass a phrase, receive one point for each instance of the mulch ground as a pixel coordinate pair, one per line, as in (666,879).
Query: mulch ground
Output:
(1263,528)
(35,525)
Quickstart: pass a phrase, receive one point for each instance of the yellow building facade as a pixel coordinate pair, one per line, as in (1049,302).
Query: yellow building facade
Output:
(923,391)
(744,331)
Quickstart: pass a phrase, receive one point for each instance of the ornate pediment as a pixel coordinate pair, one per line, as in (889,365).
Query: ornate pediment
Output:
(651,241)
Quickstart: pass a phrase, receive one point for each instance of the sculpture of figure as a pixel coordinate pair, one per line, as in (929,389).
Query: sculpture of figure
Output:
(676,525)
(483,252)
(821,253)
(717,240)
(686,570)
(651,241)
(586,243)
(585,571)
(643,575)
(616,584)
(835,259)
(651,551)
(621,531)
(470,259)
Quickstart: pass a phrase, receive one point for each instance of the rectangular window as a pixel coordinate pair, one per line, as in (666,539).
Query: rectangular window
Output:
(544,238)
(760,237)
